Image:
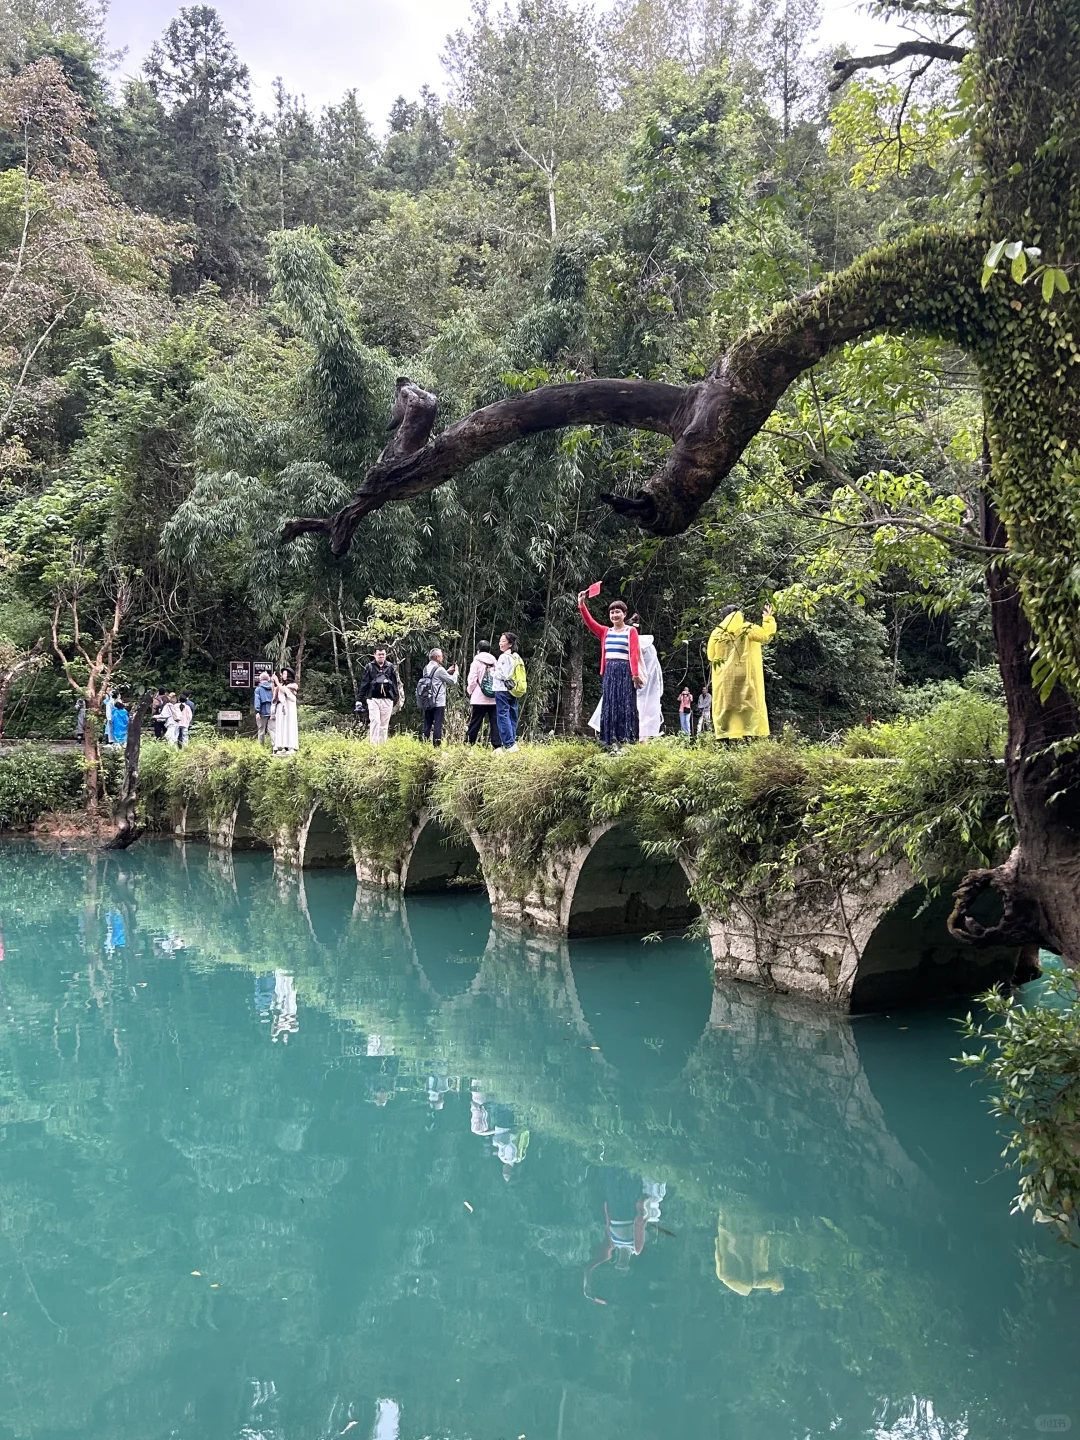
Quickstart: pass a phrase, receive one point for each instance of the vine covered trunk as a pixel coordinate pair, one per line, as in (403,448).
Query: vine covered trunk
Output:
(1028,144)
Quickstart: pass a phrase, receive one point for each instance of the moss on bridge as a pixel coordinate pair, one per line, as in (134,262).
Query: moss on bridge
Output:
(749,818)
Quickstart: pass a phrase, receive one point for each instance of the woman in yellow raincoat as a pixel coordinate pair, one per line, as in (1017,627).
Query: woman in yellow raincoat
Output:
(738,679)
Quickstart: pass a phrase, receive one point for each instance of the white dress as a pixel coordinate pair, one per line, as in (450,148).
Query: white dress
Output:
(650,718)
(170,713)
(286,733)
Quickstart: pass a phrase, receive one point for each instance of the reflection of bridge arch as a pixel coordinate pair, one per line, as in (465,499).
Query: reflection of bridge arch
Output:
(613,887)
(441,858)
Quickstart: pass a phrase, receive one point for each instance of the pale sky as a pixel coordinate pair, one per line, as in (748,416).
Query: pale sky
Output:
(382,48)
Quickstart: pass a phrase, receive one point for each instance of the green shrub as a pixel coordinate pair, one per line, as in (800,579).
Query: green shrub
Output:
(34,782)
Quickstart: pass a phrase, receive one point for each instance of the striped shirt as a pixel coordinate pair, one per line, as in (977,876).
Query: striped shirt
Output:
(617,645)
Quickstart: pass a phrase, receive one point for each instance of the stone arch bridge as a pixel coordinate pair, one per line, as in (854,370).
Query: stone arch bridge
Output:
(876,941)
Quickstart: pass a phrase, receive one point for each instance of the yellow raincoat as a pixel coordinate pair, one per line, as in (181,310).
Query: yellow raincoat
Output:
(738,679)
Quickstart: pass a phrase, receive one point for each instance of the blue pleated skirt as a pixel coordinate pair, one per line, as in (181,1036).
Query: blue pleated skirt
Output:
(618,705)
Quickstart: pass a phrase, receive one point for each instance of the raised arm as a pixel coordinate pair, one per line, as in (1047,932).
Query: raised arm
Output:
(596,628)
(764,632)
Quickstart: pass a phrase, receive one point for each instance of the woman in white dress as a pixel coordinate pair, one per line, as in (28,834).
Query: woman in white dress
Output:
(650,716)
(286,734)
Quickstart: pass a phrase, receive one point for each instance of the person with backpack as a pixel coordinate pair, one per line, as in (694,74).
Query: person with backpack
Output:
(509,683)
(480,688)
(738,686)
(431,691)
(379,688)
(620,671)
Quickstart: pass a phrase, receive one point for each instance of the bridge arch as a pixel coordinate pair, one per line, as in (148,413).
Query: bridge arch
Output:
(441,858)
(323,842)
(614,888)
(910,958)
(245,833)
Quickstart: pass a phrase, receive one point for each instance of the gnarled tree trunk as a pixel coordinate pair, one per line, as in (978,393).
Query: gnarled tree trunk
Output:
(124,811)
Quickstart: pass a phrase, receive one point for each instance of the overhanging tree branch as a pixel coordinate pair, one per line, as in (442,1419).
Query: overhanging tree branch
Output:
(411,466)
(843,70)
(926,283)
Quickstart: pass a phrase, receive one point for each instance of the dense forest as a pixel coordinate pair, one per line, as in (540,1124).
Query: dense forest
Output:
(204,310)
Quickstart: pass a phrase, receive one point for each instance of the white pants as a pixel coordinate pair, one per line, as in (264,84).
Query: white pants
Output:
(379,712)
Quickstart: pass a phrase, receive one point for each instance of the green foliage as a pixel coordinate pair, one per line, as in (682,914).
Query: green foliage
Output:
(940,796)
(394,624)
(752,814)
(1030,1054)
(34,782)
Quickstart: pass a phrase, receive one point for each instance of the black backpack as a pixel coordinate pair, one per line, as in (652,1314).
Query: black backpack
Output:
(427,693)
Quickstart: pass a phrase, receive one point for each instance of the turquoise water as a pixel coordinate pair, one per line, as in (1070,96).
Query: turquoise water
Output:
(438,1182)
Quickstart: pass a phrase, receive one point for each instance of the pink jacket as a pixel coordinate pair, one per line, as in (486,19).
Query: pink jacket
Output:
(477,670)
(602,630)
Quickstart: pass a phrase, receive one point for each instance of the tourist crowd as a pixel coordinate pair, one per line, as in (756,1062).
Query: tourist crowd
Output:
(631,694)
(632,684)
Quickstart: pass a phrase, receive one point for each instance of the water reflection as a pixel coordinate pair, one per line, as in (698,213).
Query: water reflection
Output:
(520,1188)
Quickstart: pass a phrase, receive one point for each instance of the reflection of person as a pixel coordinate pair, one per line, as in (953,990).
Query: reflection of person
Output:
(479,1119)
(629,1206)
(264,996)
(488,1118)
(286,732)
(437,1087)
(742,1264)
(738,678)
(115,931)
(285,1022)
(620,672)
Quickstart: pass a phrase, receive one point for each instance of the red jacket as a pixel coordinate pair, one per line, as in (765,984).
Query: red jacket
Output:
(601,632)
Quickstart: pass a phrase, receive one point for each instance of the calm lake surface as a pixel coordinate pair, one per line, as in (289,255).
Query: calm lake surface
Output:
(295,1162)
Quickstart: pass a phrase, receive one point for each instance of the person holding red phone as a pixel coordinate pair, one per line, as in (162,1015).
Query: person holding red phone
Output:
(620,670)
